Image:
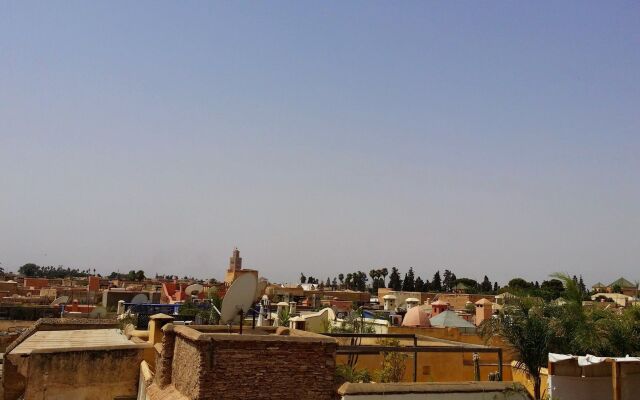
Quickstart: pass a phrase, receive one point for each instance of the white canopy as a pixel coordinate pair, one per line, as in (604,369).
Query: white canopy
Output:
(589,359)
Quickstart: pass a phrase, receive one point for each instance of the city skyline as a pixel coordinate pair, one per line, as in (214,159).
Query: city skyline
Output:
(497,140)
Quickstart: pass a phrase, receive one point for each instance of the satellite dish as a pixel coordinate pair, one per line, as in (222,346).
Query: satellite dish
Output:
(98,312)
(60,300)
(140,298)
(196,287)
(239,297)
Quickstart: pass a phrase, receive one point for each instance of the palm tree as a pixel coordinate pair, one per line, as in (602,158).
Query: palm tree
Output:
(372,274)
(525,326)
(348,280)
(384,272)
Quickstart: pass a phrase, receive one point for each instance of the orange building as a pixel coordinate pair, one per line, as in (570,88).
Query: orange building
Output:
(35,283)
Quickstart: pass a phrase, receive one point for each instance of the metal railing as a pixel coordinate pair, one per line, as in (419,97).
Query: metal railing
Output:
(447,347)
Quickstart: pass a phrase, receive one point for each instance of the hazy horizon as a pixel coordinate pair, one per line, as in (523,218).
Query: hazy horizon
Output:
(497,139)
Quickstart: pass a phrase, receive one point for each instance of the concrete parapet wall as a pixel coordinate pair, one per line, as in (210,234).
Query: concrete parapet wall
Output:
(434,391)
(13,382)
(83,375)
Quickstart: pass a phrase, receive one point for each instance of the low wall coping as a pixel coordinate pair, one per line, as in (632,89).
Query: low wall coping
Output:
(453,387)
(295,336)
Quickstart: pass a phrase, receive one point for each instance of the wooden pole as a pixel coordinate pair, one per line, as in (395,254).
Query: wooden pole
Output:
(500,364)
(616,379)
(415,359)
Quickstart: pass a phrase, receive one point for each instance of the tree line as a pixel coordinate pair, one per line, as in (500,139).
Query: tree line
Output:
(131,276)
(446,282)
(359,280)
(32,270)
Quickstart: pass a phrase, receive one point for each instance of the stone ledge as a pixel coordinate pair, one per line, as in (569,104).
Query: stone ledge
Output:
(453,387)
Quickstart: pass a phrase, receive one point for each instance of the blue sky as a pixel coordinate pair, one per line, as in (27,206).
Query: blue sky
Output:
(494,138)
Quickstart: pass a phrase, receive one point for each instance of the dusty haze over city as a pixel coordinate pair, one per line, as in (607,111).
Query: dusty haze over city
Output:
(322,138)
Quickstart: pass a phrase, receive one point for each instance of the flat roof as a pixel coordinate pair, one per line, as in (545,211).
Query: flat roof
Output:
(75,340)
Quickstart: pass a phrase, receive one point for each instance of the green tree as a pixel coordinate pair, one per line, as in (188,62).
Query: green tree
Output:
(360,281)
(303,279)
(485,286)
(395,282)
(140,275)
(446,280)
(409,283)
(436,282)
(384,272)
(419,286)
(29,270)
(393,363)
(525,326)
(553,288)
(470,284)
(602,332)
(519,285)
(374,279)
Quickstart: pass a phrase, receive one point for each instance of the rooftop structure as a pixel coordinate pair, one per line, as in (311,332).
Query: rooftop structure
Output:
(73,340)
(208,362)
(416,316)
(450,319)
(58,358)
(626,287)
(590,377)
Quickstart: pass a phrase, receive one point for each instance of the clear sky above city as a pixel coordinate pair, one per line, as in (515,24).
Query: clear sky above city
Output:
(497,138)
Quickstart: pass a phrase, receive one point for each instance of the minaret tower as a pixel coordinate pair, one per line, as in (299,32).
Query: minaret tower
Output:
(235,261)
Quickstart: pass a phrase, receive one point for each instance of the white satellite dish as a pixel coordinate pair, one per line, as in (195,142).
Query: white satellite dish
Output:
(196,287)
(140,298)
(239,298)
(60,300)
(98,312)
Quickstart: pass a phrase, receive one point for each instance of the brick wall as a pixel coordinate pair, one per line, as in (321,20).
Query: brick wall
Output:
(252,366)
(36,283)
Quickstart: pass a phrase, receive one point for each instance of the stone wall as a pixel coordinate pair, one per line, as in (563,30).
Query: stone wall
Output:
(434,391)
(297,366)
(13,382)
(189,365)
(99,374)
